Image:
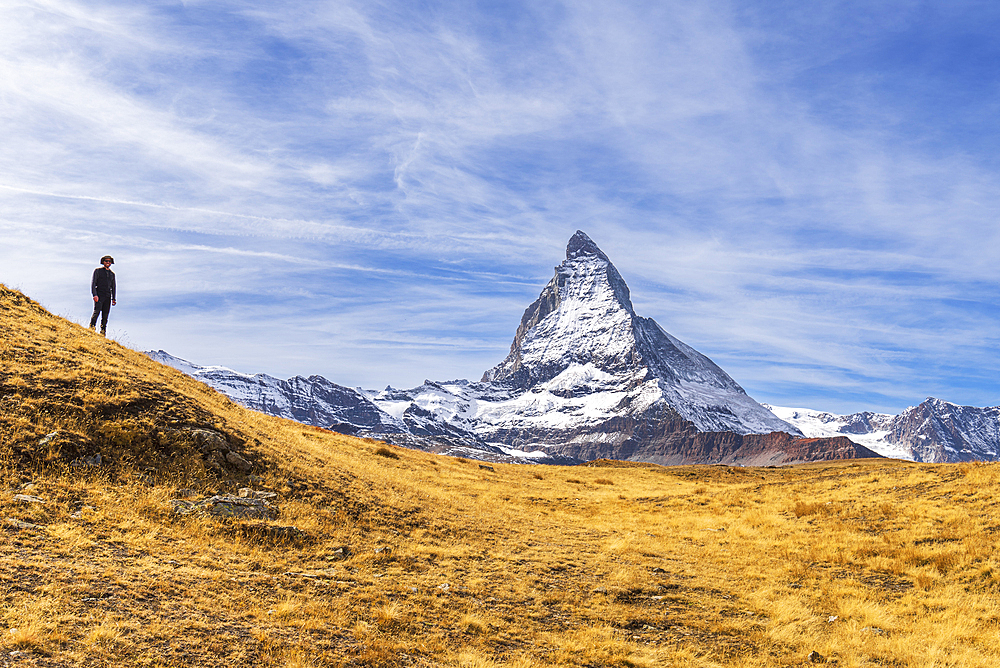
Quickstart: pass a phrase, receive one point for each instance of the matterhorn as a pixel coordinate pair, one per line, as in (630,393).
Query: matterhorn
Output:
(582,348)
(586,378)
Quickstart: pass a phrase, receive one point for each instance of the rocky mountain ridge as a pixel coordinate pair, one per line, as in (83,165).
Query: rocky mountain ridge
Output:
(582,338)
(933,431)
(585,378)
(319,402)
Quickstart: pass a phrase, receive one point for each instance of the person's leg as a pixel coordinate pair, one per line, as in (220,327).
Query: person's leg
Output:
(105,304)
(93,318)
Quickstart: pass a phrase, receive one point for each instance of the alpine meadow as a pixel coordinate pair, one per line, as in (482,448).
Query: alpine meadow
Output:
(373,555)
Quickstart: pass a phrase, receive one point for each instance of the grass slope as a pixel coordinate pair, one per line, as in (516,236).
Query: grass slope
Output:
(866,563)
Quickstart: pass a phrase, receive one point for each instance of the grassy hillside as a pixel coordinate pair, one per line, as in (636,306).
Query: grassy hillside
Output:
(407,558)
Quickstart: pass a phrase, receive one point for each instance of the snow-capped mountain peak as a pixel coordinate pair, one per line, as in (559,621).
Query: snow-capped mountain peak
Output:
(586,377)
(933,431)
(584,318)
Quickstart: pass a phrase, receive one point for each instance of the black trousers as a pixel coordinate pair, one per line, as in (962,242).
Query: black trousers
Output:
(103,306)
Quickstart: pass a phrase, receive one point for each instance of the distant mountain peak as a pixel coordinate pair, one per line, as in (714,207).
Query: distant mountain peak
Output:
(586,377)
(584,319)
(933,431)
(580,245)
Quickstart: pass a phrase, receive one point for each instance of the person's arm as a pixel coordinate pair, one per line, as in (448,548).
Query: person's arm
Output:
(93,284)
(113,288)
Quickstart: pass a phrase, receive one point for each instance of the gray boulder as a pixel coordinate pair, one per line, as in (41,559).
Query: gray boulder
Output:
(227,506)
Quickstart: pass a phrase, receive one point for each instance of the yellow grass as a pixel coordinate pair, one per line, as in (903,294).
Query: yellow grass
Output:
(867,563)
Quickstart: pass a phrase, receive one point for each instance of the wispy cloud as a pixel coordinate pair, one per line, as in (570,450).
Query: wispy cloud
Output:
(374,191)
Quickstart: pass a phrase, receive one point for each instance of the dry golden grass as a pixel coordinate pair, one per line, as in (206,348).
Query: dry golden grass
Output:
(867,563)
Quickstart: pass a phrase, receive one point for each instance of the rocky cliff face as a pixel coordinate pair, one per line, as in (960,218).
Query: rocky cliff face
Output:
(938,431)
(934,431)
(677,442)
(582,339)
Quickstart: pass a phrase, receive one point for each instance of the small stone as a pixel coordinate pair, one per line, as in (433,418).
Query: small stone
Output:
(274,532)
(247,493)
(209,440)
(444,586)
(816,657)
(486,468)
(94,461)
(600,590)
(186,493)
(234,506)
(227,506)
(48,438)
(237,461)
(341,553)
(832,619)
(27,498)
(182,506)
(383,550)
(23,525)
(17,653)
(657,569)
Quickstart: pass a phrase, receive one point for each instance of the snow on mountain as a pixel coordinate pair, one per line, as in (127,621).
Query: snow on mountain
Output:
(867,429)
(581,354)
(581,361)
(317,401)
(934,431)
(312,400)
(585,377)
(939,431)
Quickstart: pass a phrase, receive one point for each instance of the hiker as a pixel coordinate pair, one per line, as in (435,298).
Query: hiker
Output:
(102,286)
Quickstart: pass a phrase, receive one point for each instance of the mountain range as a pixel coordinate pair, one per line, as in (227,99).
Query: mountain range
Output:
(585,378)
(934,431)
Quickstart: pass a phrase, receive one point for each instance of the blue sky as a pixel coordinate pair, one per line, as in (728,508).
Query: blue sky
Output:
(806,192)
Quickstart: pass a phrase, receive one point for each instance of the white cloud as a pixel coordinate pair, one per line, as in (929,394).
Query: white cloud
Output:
(417,175)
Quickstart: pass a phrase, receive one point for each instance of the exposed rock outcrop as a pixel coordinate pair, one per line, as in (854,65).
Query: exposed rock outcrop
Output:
(676,442)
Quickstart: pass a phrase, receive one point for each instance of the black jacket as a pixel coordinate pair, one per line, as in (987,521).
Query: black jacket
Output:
(103,283)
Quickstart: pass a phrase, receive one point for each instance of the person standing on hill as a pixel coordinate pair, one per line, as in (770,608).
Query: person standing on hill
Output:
(102,286)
